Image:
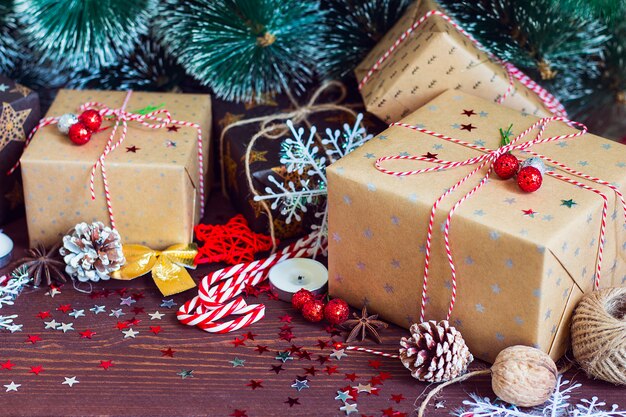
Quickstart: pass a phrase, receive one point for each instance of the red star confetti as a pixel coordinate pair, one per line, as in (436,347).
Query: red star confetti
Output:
(468,127)
(168,352)
(137,310)
(304,354)
(238,342)
(322,359)
(261,349)
(155,329)
(384,375)
(33,339)
(352,391)
(322,343)
(232,243)
(277,368)
(286,336)
(255,383)
(272,296)
(294,349)
(7,365)
(389,412)
(239,413)
(173,128)
(106,364)
(133,321)
(292,401)
(310,371)
(468,113)
(250,291)
(285,319)
(430,155)
(529,213)
(137,296)
(86,334)
(332,330)
(121,291)
(285,328)
(249,336)
(397,397)
(36,369)
(44,315)
(375,380)
(352,377)
(331,369)
(64,308)
(121,325)
(374,363)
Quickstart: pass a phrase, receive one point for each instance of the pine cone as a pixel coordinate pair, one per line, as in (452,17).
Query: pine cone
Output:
(435,352)
(92,252)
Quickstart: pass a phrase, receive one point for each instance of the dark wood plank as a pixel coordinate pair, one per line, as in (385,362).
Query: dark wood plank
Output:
(142,382)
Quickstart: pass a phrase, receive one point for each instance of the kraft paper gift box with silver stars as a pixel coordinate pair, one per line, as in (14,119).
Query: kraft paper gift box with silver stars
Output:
(433,58)
(523,260)
(153,175)
(19,113)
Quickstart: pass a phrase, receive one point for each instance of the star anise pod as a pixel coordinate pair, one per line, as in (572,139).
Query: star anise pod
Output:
(364,325)
(41,262)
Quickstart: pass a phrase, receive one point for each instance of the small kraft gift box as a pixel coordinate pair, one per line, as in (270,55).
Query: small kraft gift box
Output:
(506,267)
(153,164)
(426,53)
(19,113)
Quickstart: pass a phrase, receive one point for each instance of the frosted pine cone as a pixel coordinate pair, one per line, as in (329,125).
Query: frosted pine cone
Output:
(435,352)
(92,252)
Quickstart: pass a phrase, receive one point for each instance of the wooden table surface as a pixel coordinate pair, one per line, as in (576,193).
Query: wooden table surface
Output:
(143,380)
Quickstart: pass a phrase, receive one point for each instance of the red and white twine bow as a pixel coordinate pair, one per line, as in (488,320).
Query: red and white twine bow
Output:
(487,159)
(216,289)
(154,120)
(551,102)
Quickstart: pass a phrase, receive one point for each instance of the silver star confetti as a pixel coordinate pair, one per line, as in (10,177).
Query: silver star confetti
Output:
(343,396)
(349,408)
(338,354)
(237,362)
(77,313)
(116,313)
(70,381)
(168,303)
(54,291)
(97,309)
(185,373)
(156,315)
(65,327)
(300,384)
(12,386)
(130,333)
(51,324)
(128,301)
(284,356)
(364,388)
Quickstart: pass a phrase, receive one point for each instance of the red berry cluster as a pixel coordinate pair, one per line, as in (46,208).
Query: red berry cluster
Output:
(88,123)
(529,178)
(314,310)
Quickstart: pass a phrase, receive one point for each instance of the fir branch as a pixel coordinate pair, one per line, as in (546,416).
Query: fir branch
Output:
(84,33)
(9,48)
(356,27)
(244,49)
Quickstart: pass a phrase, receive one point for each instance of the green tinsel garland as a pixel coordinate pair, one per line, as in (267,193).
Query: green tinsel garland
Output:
(244,49)
(84,33)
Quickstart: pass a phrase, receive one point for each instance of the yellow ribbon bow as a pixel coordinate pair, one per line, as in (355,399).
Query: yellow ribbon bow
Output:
(168,266)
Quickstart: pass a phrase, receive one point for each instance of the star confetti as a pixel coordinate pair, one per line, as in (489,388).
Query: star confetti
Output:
(239,413)
(232,243)
(77,313)
(238,342)
(185,373)
(168,352)
(130,333)
(86,334)
(304,354)
(349,408)
(97,309)
(33,339)
(343,396)
(168,303)
(285,319)
(137,310)
(351,376)
(156,315)
(331,369)
(397,397)
(155,329)
(310,371)
(53,291)
(255,383)
(65,327)
(70,381)
(338,354)
(322,359)
(36,369)
(530,213)
(44,315)
(322,344)
(568,203)
(64,308)
(238,362)
(7,365)
(300,384)
(261,349)
(374,363)
(106,364)
(116,313)
(292,401)
(127,301)
(277,368)
(364,388)
(283,356)
(12,386)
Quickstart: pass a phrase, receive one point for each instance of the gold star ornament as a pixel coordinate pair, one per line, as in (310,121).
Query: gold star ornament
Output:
(12,125)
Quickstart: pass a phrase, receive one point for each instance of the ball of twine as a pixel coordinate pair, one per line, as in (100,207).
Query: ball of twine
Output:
(599,334)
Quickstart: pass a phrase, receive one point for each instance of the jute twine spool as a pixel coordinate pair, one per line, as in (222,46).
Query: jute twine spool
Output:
(599,334)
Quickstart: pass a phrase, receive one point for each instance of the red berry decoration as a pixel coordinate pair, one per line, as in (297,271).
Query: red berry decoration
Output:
(91,119)
(299,299)
(336,311)
(529,179)
(313,311)
(79,134)
(506,166)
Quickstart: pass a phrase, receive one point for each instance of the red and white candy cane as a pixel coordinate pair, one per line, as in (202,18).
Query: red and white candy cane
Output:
(488,158)
(216,289)
(551,102)
(152,120)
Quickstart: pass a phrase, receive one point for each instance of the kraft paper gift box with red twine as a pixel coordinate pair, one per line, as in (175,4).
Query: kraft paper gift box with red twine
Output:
(154,174)
(522,260)
(426,53)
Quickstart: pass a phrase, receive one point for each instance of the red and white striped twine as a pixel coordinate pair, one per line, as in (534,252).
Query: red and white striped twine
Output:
(372,351)
(488,158)
(217,288)
(551,102)
(152,120)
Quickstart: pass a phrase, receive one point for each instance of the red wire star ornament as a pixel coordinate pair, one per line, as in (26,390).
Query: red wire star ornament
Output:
(232,243)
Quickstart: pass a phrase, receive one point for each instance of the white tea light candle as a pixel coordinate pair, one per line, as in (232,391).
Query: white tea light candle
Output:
(291,275)
(6,248)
